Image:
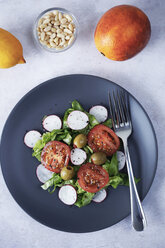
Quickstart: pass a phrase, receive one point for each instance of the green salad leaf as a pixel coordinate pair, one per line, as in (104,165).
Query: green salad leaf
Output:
(77,106)
(108,123)
(88,150)
(65,136)
(67,112)
(115,177)
(120,179)
(54,181)
(92,121)
(84,199)
(115,181)
(79,189)
(126,179)
(112,166)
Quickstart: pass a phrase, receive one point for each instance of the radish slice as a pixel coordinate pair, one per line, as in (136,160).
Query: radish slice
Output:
(43,174)
(77,120)
(121,160)
(99,112)
(78,156)
(31,138)
(67,194)
(100,196)
(52,122)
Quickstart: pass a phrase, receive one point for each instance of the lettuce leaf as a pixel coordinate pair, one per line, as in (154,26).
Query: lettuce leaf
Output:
(115,177)
(54,181)
(67,112)
(79,189)
(115,181)
(88,150)
(77,106)
(120,179)
(84,199)
(108,123)
(112,166)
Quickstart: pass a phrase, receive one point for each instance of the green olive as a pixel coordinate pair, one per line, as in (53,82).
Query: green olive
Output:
(98,158)
(80,141)
(67,172)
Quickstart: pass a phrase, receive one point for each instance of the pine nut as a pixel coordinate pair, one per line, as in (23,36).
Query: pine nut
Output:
(56,18)
(55,12)
(47,37)
(59,48)
(66,30)
(60,16)
(56,40)
(57,27)
(62,28)
(53,36)
(52,44)
(47,29)
(46,21)
(42,36)
(62,43)
(43,42)
(70,26)
(60,35)
(59,31)
(46,16)
(63,20)
(68,17)
(64,25)
(67,37)
(43,26)
(57,23)
(71,40)
(53,30)
(49,33)
(40,21)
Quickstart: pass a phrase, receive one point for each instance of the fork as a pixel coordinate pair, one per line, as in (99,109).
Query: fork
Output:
(121,121)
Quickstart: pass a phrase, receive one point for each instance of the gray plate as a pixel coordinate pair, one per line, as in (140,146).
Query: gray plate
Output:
(18,166)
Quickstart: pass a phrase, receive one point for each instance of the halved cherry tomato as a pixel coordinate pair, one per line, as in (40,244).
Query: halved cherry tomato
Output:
(103,139)
(55,156)
(92,178)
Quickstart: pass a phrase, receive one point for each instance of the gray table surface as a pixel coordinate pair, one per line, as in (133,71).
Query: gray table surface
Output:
(142,75)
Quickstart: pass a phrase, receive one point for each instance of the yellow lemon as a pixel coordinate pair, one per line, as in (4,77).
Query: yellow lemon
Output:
(11,51)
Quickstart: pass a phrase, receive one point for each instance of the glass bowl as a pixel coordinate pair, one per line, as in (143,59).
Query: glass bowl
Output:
(36,25)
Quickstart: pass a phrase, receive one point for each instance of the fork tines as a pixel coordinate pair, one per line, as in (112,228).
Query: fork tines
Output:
(119,108)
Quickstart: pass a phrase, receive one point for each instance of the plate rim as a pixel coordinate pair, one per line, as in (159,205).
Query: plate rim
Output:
(58,78)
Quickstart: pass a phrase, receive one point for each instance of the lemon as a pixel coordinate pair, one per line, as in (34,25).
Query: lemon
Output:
(11,51)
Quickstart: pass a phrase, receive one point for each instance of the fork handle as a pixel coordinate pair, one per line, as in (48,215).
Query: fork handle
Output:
(137,213)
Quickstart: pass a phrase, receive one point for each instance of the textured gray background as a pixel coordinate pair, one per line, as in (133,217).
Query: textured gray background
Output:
(143,76)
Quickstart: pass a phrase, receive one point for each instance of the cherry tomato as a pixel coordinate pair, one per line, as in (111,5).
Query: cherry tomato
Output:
(103,139)
(55,156)
(92,178)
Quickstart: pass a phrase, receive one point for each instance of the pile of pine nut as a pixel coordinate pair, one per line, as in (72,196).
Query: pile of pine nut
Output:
(56,30)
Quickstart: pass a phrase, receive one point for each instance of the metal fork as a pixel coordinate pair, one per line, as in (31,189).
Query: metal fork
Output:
(120,114)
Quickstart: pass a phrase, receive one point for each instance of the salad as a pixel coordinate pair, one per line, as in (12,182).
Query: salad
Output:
(80,154)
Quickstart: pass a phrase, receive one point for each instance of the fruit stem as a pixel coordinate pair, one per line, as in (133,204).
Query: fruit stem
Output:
(22,61)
